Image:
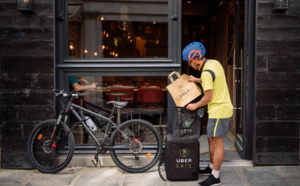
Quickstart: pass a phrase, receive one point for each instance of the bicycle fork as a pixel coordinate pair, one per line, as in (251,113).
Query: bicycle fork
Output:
(52,143)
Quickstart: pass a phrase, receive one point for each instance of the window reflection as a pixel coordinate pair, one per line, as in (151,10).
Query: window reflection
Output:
(147,95)
(118,29)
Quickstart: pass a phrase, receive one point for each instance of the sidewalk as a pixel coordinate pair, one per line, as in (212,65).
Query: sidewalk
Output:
(112,176)
(234,172)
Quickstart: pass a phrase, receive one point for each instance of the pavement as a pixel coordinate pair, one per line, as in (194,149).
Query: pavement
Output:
(113,176)
(81,172)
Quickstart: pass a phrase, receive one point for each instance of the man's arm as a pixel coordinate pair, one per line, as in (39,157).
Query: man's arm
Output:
(204,101)
(79,87)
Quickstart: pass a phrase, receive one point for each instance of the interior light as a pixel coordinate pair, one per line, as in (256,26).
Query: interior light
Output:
(189,2)
(86,51)
(220,3)
(102,18)
(124,25)
(25,5)
(71,45)
(95,54)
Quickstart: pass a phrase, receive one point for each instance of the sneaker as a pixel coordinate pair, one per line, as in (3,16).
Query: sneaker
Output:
(211,180)
(206,172)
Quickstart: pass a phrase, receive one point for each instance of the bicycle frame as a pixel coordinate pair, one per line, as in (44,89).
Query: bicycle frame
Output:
(81,120)
(72,108)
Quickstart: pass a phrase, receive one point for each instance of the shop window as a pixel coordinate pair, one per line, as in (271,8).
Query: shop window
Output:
(118,29)
(146,95)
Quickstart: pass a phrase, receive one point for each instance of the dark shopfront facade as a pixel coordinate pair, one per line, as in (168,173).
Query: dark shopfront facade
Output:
(131,43)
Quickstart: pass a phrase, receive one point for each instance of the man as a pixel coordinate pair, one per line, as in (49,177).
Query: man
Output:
(79,84)
(75,83)
(220,109)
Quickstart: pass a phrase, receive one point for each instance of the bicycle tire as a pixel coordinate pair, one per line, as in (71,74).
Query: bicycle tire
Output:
(50,160)
(138,155)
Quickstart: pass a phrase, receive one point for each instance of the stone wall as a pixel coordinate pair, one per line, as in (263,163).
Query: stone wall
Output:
(277,84)
(27,79)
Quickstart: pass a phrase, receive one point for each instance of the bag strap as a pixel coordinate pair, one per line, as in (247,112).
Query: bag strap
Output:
(203,65)
(162,161)
(207,70)
(213,77)
(211,73)
(179,116)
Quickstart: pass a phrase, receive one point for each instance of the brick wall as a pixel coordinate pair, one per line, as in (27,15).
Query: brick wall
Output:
(277,84)
(26,62)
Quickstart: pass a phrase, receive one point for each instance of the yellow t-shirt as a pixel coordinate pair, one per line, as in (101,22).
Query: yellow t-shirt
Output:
(220,105)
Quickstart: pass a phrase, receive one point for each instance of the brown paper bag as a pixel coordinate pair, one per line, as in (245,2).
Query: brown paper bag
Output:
(182,91)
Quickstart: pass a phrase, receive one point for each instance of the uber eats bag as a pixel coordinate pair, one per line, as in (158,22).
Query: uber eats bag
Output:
(181,159)
(186,124)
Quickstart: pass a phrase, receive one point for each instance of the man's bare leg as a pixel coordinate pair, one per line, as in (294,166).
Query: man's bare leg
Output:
(211,150)
(218,152)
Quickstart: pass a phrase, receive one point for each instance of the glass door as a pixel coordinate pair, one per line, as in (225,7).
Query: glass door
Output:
(239,80)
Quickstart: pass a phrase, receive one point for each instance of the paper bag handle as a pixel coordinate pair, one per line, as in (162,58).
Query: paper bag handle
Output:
(171,78)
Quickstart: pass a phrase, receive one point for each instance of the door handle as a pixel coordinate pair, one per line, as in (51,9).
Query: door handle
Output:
(175,17)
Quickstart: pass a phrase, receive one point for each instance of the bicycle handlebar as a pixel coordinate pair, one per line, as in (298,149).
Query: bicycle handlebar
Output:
(63,93)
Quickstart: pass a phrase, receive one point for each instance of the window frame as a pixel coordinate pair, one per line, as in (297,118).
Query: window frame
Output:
(65,66)
(62,40)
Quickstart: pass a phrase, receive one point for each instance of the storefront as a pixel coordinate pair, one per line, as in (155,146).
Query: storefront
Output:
(131,47)
(122,47)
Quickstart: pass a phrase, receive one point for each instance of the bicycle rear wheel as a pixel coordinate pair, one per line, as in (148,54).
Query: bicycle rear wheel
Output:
(142,152)
(56,157)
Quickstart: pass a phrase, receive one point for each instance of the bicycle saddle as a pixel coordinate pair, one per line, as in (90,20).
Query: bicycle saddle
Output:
(118,104)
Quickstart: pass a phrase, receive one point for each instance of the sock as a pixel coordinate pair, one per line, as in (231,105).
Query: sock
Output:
(215,173)
(211,165)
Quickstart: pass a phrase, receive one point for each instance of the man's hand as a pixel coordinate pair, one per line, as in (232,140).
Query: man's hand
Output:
(193,79)
(93,85)
(192,106)
(204,101)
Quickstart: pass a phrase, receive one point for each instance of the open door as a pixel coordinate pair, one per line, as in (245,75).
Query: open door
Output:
(221,26)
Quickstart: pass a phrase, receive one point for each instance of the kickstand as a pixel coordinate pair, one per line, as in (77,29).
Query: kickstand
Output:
(97,160)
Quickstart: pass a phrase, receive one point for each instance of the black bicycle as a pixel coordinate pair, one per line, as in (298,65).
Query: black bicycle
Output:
(135,145)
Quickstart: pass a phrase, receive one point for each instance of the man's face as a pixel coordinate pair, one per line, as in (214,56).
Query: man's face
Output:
(193,63)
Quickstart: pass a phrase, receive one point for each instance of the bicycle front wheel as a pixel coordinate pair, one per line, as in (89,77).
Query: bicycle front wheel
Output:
(50,158)
(140,153)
